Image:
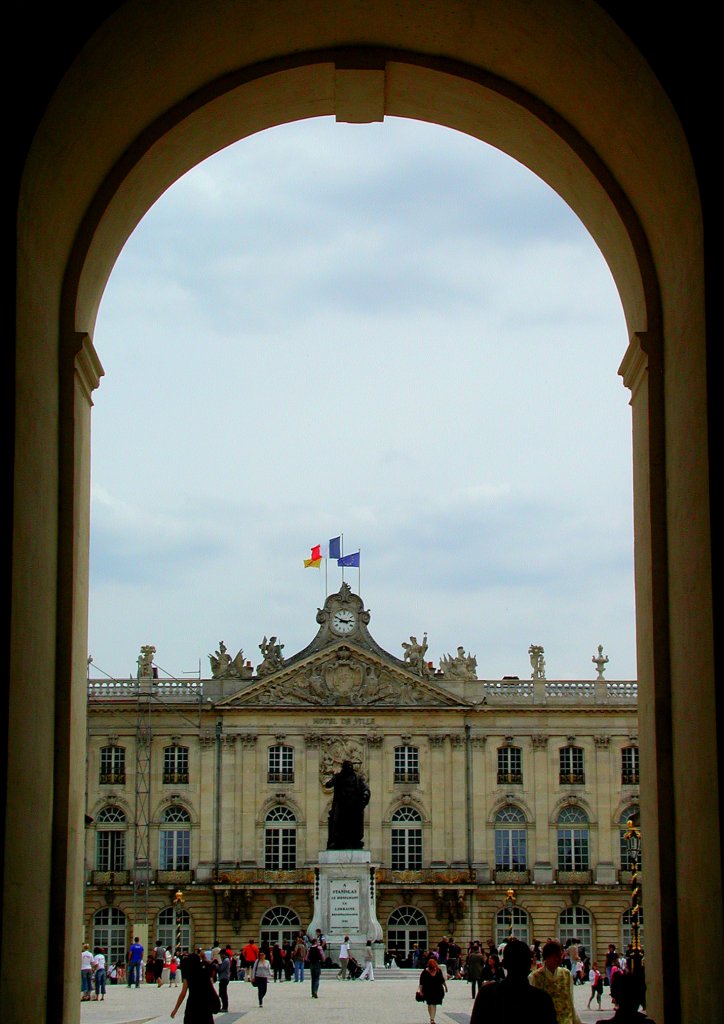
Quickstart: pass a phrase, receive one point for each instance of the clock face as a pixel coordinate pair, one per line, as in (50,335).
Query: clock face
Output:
(343,622)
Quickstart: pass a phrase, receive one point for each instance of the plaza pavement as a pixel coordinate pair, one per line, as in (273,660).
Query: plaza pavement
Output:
(388,1000)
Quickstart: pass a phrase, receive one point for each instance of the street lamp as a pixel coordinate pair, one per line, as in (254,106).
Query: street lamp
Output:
(510,903)
(178,903)
(632,835)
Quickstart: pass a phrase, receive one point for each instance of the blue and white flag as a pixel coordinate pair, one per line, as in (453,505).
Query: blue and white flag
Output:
(349,561)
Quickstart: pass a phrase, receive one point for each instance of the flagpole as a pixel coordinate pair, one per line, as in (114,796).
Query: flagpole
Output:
(326,589)
(342,543)
(359,573)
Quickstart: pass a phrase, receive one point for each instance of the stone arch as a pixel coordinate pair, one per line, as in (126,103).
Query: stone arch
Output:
(571,801)
(515,801)
(280,801)
(406,800)
(154,101)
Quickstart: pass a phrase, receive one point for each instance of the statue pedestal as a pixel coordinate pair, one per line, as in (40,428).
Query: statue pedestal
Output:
(345,900)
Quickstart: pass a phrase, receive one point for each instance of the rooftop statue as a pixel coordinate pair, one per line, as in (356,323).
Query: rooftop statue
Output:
(600,662)
(272,655)
(460,665)
(145,662)
(346,817)
(537,661)
(224,667)
(415,655)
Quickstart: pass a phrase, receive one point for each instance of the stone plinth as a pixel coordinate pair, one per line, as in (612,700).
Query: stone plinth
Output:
(345,900)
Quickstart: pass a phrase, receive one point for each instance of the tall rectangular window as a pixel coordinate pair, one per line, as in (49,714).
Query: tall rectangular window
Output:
(407,764)
(110,850)
(510,766)
(572,771)
(280,764)
(112,766)
(175,766)
(630,766)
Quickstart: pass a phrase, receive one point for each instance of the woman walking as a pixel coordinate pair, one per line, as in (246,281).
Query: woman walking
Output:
(368,974)
(596,979)
(99,977)
(260,975)
(203,998)
(432,987)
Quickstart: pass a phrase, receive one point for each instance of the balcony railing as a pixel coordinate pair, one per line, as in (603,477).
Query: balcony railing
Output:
(176,778)
(112,778)
(109,878)
(559,691)
(287,776)
(427,876)
(574,877)
(510,778)
(572,778)
(629,778)
(174,877)
(408,777)
(507,877)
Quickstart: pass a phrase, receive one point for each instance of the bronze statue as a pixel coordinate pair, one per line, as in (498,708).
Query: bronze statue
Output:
(346,818)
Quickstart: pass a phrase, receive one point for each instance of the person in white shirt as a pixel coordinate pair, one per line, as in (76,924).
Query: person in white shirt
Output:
(343,959)
(368,974)
(86,972)
(99,963)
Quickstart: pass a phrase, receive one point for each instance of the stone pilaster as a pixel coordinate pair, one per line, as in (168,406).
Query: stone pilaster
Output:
(229,787)
(376,764)
(248,784)
(456,803)
(308,767)
(437,799)
(605,868)
(541,846)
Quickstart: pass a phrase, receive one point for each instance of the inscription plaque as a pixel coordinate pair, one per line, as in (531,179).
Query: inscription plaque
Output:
(344,905)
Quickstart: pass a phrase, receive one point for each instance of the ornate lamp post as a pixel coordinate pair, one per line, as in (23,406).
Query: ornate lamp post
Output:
(510,903)
(632,835)
(178,903)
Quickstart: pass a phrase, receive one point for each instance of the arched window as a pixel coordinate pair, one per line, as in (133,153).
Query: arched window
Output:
(175,765)
(626,930)
(515,920)
(572,767)
(280,924)
(175,847)
(630,766)
(173,928)
(110,932)
(573,842)
(406,842)
(280,840)
(510,766)
(406,928)
(111,839)
(632,814)
(576,923)
(280,764)
(112,766)
(511,853)
(407,764)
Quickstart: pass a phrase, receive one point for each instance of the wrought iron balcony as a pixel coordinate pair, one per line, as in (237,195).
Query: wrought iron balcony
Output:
(287,776)
(629,777)
(510,778)
(408,777)
(112,778)
(176,778)
(572,778)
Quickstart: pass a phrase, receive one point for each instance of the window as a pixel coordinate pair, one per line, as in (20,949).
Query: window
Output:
(176,841)
(510,840)
(407,764)
(110,932)
(175,766)
(280,924)
(571,767)
(407,927)
(280,840)
(111,840)
(173,928)
(630,766)
(280,764)
(573,840)
(632,814)
(575,923)
(406,852)
(510,766)
(512,919)
(112,766)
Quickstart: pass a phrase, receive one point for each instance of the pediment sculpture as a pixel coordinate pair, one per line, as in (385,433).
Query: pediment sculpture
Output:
(223,666)
(460,665)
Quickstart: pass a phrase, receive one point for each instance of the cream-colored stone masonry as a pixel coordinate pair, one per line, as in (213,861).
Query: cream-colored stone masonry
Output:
(550,767)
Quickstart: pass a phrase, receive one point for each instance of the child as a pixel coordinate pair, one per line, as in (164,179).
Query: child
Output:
(596,979)
(172,968)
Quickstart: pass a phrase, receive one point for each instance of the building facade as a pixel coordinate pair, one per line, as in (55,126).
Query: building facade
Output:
(494,803)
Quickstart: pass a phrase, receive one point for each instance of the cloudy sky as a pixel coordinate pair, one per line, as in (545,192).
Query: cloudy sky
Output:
(389,331)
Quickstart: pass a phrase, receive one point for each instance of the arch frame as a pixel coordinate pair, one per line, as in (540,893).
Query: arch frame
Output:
(57,370)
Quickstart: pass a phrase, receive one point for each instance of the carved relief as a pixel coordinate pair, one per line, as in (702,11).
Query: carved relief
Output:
(333,750)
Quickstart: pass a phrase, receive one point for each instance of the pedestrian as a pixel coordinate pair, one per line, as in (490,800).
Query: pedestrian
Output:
(343,959)
(223,973)
(277,962)
(86,973)
(475,965)
(432,987)
(368,974)
(514,999)
(300,955)
(250,953)
(151,968)
(611,960)
(203,999)
(557,982)
(99,975)
(287,953)
(260,975)
(596,979)
(453,959)
(173,971)
(159,962)
(626,994)
(315,959)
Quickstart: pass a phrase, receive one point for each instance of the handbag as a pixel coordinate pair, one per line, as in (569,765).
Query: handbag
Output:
(419,997)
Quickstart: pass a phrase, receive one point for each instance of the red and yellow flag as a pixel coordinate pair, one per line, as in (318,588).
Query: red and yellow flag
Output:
(316,560)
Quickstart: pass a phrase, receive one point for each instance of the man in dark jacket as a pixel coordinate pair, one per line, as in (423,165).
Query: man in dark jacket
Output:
(514,999)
